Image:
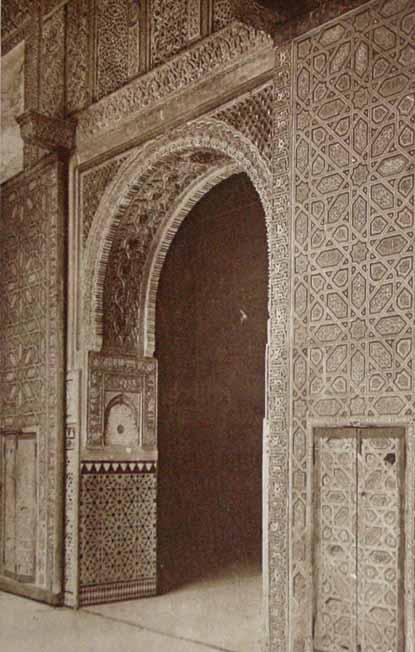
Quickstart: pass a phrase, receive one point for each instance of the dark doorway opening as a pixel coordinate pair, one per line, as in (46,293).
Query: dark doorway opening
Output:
(211,332)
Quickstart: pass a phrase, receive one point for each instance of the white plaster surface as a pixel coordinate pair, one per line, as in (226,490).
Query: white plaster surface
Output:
(221,613)
(12,105)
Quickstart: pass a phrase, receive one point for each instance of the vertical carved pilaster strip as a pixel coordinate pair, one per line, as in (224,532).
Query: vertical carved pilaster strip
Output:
(72,437)
(168,29)
(56,402)
(194,19)
(32,60)
(112,36)
(144,35)
(138,38)
(149,434)
(206,17)
(134,39)
(278,364)
(79,30)
(52,79)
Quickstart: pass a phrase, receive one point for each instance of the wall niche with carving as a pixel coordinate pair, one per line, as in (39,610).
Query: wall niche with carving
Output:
(122,420)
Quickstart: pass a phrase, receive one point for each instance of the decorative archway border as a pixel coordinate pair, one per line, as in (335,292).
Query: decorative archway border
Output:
(204,134)
(238,154)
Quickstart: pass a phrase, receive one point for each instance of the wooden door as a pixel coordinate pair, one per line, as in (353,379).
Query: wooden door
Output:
(19,506)
(380,474)
(358,540)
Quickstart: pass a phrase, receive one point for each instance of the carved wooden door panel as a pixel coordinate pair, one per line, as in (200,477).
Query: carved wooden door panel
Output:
(381,466)
(18,511)
(358,540)
(335,587)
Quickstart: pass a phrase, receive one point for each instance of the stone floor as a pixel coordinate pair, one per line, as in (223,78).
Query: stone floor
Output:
(220,613)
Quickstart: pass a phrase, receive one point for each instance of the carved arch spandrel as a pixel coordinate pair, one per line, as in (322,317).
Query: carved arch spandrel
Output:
(237,153)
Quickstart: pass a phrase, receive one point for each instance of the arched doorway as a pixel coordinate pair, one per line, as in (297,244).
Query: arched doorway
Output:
(162,182)
(211,334)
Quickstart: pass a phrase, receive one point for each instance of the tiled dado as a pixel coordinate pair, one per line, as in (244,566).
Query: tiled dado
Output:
(117,531)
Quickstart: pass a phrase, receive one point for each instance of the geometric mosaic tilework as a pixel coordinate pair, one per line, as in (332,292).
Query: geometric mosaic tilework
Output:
(117,592)
(353,238)
(31,328)
(117,530)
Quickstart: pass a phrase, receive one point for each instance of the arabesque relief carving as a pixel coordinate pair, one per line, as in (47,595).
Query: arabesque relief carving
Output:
(210,134)
(329,146)
(204,58)
(121,411)
(31,351)
(135,234)
(353,257)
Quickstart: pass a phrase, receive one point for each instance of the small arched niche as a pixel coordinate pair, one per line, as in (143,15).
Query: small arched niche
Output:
(121,423)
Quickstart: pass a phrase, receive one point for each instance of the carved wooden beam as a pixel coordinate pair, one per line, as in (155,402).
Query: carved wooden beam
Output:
(51,134)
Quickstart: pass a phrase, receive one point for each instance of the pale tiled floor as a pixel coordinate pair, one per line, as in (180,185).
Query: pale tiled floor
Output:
(221,613)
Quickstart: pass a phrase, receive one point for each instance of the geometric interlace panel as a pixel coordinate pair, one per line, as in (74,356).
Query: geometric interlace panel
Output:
(358,540)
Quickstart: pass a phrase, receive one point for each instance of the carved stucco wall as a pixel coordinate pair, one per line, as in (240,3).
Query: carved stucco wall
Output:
(136,232)
(12,101)
(348,89)
(32,356)
(203,59)
(154,165)
(85,50)
(352,277)
(353,254)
